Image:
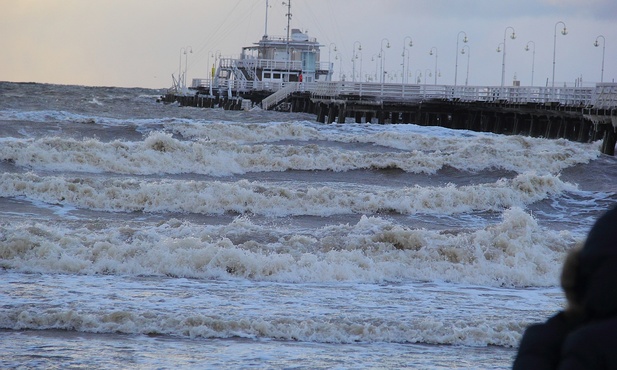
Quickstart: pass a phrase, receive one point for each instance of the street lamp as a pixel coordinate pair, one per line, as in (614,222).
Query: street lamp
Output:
(499,51)
(356,58)
(382,55)
(596,44)
(353,60)
(468,55)
(373,59)
(563,32)
(456,61)
(406,71)
(431,53)
(427,72)
(181,76)
(210,55)
(503,57)
(329,63)
(339,57)
(533,58)
(216,55)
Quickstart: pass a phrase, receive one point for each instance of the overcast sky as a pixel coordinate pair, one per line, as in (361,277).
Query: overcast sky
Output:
(139,43)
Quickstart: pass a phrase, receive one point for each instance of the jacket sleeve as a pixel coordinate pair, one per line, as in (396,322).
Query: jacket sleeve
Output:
(540,347)
(594,346)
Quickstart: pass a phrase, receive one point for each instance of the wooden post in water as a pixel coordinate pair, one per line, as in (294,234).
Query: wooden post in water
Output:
(341,113)
(609,140)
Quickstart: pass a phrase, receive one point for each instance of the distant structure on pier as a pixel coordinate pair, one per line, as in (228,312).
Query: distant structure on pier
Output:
(286,73)
(266,65)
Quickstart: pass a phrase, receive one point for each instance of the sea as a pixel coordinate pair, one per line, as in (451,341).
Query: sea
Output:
(141,235)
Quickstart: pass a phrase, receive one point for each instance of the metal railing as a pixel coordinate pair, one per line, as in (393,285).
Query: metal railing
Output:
(266,64)
(238,85)
(514,94)
(280,95)
(603,95)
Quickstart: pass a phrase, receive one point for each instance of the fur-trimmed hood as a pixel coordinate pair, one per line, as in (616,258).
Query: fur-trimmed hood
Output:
(589,276)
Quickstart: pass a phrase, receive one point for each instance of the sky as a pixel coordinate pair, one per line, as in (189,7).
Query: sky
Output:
(141,43)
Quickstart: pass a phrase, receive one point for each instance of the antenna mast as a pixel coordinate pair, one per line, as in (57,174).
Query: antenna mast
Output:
(288,15)
(266,27)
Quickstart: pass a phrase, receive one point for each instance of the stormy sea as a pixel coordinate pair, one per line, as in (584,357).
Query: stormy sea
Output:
(136,234)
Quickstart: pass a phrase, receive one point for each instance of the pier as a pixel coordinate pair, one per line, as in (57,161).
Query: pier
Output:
(583,114)
(287,73)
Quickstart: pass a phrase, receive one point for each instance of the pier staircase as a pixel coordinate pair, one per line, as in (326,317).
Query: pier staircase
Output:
(273,100)
(241,74)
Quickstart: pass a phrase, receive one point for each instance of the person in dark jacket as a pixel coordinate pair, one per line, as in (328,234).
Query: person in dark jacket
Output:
(584,335)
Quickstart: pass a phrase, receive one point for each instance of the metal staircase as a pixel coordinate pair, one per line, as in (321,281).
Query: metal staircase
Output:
(277,97)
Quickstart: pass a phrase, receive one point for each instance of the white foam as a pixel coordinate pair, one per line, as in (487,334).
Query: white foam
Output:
(161,153)
(514,252)
(483,332)
(273,199)
(61,116)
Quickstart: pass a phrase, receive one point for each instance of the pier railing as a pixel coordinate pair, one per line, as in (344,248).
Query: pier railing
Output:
(603,95)
(266,64)
(404,92)
(238,85)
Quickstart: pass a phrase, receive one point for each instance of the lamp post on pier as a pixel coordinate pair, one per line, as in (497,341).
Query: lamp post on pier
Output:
(216,55)
(406,71)
(499,50)
(210,55)
(353,60)
(208,65)
(468,56)
(458,36)
(182,76)
(427,72)
(431,53)
(503,57)
(382,55)
(563,32)
(373,59)
(339,57)
(329,60)
(596,44)
(533,58)
(359,54)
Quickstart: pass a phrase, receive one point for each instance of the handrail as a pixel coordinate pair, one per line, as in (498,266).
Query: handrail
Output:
(271,100)
(266,64)
(408,92)
(602,96)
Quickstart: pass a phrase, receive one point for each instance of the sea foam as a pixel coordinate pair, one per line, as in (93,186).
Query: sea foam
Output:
(161,153)
(273,199)
(513,252)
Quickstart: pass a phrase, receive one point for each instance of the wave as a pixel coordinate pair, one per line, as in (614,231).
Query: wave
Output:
(480,332)
(514,252)
(61,116)
(278,200)
(161,153)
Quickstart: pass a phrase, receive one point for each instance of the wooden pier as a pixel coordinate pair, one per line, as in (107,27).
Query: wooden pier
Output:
(583,114)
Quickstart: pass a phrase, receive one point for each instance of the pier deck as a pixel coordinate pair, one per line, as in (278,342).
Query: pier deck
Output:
(583,114)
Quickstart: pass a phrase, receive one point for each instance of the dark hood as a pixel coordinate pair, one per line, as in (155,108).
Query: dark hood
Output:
(598,268)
